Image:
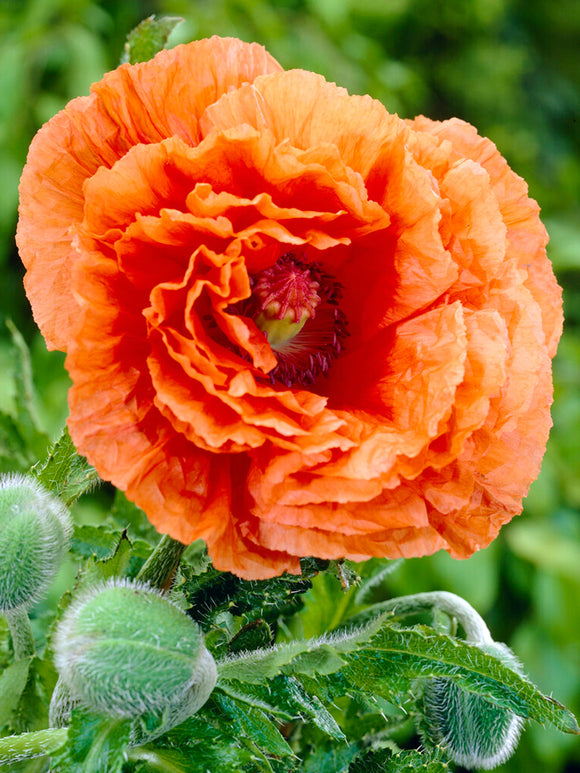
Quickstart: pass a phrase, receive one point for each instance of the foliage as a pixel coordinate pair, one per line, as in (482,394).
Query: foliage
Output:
(331,702)
(509,67)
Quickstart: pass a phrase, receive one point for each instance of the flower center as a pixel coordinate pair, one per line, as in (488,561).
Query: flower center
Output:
(296,307)
(288,299)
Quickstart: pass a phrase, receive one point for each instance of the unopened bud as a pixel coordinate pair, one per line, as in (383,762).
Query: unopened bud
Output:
(474,732)
(35,531)
(124,650)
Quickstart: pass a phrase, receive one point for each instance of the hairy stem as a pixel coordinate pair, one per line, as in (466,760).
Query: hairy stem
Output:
(159,569)
(14,748)
(21,632)
(476,631)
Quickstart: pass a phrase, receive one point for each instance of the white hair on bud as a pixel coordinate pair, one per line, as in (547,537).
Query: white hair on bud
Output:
(475,733)
(20,495)
(84,678)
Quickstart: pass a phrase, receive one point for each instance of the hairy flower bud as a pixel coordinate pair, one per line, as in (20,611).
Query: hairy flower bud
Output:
(125,650)
(35,530)
(475,733)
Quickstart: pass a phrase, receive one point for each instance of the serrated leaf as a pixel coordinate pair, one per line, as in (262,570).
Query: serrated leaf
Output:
(64,471)
(251,636)
(127,515)
(285,698)
(149,37)
(212,593)
(160,760)
(255,725)
(391,662)
(94,542)
(12,684)
(313,710)
(260,665)
(300,656)
(98,570)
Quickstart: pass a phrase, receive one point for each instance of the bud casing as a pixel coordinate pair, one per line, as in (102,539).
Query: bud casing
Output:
(35,532)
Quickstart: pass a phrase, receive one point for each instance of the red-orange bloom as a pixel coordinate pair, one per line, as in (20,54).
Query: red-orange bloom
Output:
(295,324)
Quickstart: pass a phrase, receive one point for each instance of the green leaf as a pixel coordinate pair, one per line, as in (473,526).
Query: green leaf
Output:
(251,636)
(128,516)
(32,709)
(65,472)
(322,660)
(300,656)
(204,742)
(12,684)
(391,662)
(95,744)
(253,723)
(149,37)
(385,761)
(24,397)
(379,571)
(212,593)
(312,709)
(329,759)
(14,452)
(207,743)
(285,698)
(94,542)
(115,565)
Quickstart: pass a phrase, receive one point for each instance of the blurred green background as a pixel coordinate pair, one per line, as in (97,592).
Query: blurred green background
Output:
(511,68)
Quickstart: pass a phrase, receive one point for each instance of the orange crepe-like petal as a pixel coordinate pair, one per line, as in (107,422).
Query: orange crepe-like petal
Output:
(140,103)
(295,324)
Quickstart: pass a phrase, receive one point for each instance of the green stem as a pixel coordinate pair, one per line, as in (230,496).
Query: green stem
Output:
(27,745)
(21,632)
(160,567)
(476,631)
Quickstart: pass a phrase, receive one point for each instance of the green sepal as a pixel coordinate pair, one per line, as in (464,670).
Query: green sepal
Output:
(148,38)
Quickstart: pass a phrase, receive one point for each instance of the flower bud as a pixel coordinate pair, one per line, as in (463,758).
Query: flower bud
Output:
(125,650)
(474,732)
(35,531)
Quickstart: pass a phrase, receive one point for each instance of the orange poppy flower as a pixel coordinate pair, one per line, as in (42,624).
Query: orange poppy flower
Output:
(295,324)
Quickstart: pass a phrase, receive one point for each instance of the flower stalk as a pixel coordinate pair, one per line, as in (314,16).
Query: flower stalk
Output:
(21,632)
(14,748)
(476,631)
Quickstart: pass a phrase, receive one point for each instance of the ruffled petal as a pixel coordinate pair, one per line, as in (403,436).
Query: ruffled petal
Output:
(141,103)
